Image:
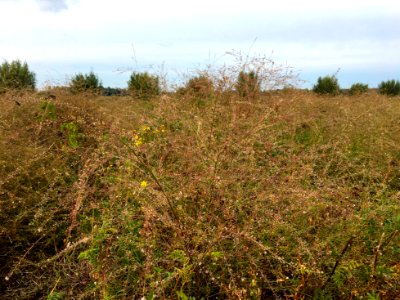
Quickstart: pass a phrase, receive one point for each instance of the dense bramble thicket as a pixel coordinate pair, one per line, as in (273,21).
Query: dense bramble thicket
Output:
(286,195)
(250,195)
(16,76)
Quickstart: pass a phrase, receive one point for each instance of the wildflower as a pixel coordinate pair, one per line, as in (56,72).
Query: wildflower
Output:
(145,128)
(143,184)
(138,142)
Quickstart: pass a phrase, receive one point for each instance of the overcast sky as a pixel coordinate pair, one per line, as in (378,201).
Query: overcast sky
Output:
(59,38)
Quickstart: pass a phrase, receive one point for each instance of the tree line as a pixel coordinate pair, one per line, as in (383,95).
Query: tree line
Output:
(16,75)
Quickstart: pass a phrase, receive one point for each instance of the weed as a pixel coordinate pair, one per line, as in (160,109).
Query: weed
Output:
(48,111)
(284,196)
(72,133)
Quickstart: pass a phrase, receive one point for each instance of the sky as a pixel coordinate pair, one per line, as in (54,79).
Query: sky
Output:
(60,38)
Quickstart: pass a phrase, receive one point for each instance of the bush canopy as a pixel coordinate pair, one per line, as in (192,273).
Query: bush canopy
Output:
(16,76)
(85,83)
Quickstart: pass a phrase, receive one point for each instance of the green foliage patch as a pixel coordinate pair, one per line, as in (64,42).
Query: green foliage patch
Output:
(16,76)
(327,85)
(85,83)
(390,87)
(144,85)
(248,85)
(358,89)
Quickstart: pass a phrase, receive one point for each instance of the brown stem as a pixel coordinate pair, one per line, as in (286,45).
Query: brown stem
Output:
(379,250)
(347,246)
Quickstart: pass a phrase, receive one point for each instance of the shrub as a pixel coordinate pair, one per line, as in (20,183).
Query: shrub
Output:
(16,76)
(327,85)
(390,87)
(200,86)
(85,83)
(144,85)
(358,88)
(248,84)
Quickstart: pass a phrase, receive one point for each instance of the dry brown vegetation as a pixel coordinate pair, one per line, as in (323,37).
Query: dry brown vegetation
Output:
(285,196)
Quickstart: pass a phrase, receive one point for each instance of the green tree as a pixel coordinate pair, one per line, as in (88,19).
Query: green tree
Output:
(85,83)
(358,88)
(144,85)
(327,85)
(16,76)
(248,84)
(390,87)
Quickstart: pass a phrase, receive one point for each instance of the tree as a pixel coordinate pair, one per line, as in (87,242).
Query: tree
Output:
(390,87)
(358,89)
(16,76)
(327,85)
(85,83)
(144,85)
(248,84)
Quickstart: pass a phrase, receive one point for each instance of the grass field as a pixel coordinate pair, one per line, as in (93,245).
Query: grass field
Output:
(286,196)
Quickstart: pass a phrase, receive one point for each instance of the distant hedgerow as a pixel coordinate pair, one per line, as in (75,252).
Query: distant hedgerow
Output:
(327,85)
(358,88)
(390,87)
(16,76)
(144,85)
(85,83)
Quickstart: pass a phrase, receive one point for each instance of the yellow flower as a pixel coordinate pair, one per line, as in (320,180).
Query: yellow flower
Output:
(143,184)
(138,142)
(145,128)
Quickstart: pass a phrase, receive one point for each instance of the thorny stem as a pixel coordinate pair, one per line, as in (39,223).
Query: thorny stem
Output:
(347,246)
(379,250)
(68,248)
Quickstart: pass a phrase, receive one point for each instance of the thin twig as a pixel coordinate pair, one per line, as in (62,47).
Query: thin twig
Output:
(69,248)
(375,258)
(23,257)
